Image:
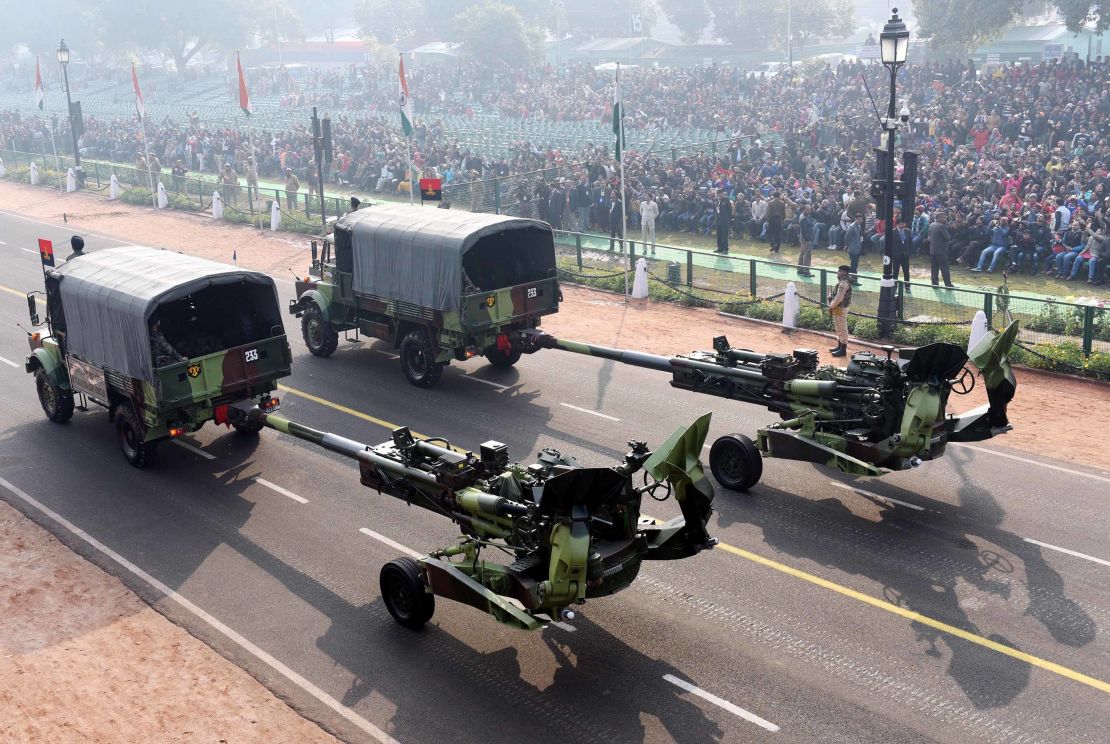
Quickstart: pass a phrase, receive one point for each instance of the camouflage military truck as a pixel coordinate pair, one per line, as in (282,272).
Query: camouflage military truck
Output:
(165,342)
(436,284)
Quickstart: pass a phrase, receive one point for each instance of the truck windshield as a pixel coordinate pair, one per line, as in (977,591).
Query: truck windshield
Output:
(510,258)
(220,317)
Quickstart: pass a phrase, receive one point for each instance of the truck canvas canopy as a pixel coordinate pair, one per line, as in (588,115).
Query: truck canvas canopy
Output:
(109,297)
(420,255)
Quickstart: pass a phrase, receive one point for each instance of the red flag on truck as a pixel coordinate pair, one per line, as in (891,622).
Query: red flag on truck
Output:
(431,189)
(46,252)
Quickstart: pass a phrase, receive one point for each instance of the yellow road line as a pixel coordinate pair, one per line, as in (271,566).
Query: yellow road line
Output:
(817,580)
(15,292)
(919,618)
(352,412)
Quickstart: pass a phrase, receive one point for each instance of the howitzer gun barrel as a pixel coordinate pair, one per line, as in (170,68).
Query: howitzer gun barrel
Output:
(346,447)
(624,356)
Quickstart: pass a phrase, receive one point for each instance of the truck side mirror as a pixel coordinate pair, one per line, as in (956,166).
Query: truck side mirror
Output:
(32,309)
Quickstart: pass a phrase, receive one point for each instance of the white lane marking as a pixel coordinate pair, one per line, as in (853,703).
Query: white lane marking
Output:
(563,626)
(9,362)
(65,227)
(878,496)
(391,543)
(1034,462)
(497,385)
(3,243)
(194,449)
(592,413)
(282,491)
(1076,553)
(205,617)
(28,250)
(721,702)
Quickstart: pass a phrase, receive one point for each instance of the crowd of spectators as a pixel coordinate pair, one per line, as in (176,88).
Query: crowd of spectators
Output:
(1013,158)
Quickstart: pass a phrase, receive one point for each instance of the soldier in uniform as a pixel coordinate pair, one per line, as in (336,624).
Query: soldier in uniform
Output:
(77,243)
(161,349)
(839,299)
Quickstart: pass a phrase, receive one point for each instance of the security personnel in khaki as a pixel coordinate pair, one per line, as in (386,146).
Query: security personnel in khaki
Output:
(839,299)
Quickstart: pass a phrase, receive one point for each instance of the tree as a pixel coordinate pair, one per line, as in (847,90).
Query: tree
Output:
(180,29)
(752,23)
(589,19)
(690,16)
(956,27)
(495,36)
(389,22)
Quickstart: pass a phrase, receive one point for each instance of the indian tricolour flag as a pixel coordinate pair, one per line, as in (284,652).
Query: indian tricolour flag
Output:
(40,89)
(406,102)
(244,94)
(618,117)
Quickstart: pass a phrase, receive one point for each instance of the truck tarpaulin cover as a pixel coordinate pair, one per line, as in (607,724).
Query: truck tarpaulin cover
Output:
(415,254)
(110,295)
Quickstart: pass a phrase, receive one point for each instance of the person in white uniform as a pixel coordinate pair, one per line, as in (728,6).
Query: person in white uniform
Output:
(649,210)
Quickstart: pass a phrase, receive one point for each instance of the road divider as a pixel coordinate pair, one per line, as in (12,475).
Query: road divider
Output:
(736,710)
(591,412)
(282,491)
(1075,553)
(194,449)
(879,496)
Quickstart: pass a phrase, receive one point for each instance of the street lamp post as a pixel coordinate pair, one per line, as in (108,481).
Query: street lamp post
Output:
(63,59)
(893,44)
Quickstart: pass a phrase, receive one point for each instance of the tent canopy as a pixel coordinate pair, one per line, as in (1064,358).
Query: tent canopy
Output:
(415,254)
(109,296)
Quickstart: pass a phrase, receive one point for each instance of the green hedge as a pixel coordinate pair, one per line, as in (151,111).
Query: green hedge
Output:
(1064,357)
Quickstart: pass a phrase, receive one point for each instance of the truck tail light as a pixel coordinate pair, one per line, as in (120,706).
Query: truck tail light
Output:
(176,431)
(220,415)
(503,344)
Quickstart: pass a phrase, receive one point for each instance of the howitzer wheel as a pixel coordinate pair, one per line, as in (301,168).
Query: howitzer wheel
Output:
(56,403)
(320,338)
(735,462)
(418,359)
(500,359)
(405,595)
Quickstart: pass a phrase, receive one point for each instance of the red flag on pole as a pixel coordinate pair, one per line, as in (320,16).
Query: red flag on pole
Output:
(139,107)
(40,90)
(244,95)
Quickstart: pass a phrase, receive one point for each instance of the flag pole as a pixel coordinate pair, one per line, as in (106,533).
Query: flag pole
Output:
(244,97)
(620,160)
(149,174)
(57,163)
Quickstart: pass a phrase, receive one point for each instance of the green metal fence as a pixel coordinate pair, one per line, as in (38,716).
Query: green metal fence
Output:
(192,193)
(737,280)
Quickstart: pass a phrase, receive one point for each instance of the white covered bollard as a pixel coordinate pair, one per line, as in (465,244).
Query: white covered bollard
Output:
(275,215)
(71,181)
(790,306)
(34,174)
(217,206)
(113,188)
(640,283)
(163,200)
(3,170)
(978,329)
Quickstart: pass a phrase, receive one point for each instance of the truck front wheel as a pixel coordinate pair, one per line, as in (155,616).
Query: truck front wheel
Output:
(501,359)
(418,359)
(129,434)
(320,338)
(56,403)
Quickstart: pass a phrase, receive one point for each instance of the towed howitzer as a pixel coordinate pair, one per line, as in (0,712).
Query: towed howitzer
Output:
(573,532)
(882,412)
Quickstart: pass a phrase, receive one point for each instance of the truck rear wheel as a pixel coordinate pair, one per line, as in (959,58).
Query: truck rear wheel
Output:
(418,359)
(735,462)
(56,403)
(500,359)
(405,595)
(320,338)
(129,434)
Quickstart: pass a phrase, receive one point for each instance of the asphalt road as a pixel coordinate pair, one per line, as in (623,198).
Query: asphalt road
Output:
(964,601)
